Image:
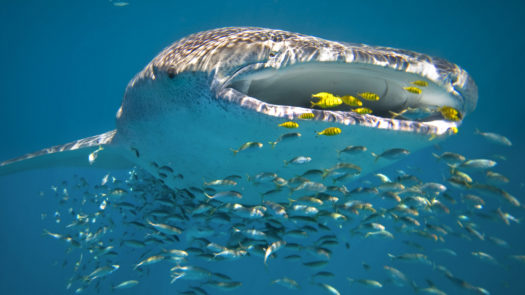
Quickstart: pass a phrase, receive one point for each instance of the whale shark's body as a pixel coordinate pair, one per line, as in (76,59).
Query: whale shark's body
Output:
(213,91)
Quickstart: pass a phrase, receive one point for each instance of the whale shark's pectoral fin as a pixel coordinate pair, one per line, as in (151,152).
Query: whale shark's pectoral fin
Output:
(96,151)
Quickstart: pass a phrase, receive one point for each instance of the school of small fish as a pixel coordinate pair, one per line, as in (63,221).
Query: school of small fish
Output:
(189,230)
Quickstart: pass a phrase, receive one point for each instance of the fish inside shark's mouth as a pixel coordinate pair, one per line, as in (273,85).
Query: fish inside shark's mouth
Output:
(401,95)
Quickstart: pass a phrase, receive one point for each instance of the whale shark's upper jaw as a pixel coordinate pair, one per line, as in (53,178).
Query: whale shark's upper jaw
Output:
(286,91)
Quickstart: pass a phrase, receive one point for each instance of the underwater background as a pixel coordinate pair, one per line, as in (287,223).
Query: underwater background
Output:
(65,65)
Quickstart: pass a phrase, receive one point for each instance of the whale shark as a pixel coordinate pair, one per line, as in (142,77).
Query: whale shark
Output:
(229,88)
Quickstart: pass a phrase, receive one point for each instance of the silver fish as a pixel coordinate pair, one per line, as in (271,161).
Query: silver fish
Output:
(494,137)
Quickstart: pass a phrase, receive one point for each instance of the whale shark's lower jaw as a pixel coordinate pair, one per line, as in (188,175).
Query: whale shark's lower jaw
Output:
(287,92)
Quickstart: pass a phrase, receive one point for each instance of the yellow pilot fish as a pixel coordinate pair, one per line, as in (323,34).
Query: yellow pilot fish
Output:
(420,83)
(307,116)
(351,101)
(413,89)
(450,113)
(362,111)
(323,95)
(289,124)
(327,100)
(330,131)
(369,95)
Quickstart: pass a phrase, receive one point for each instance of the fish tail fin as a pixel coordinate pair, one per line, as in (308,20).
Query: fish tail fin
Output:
(325,173)
(176,276)
(453,168)
(394,114)
(415,286)
(272,143)
(350,280)
(312,104)
(266,257)
(477,131)
(375,156)
(285,162)
(436,156)
(48,233)
(234,151)
(392,256)
(97,151)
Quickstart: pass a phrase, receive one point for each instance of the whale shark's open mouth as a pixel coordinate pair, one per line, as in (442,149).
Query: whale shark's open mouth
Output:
(405,99)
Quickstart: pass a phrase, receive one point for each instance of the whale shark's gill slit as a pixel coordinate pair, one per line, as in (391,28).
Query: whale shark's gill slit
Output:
(295,84)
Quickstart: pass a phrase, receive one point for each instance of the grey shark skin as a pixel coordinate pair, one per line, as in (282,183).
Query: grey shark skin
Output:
(213,91)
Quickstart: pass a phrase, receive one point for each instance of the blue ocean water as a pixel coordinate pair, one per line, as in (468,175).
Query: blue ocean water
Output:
(65,65)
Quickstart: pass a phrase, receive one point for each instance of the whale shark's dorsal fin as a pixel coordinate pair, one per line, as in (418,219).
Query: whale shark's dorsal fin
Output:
(104,154)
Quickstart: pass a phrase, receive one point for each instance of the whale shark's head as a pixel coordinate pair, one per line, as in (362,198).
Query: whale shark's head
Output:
(214,91)
(276,72)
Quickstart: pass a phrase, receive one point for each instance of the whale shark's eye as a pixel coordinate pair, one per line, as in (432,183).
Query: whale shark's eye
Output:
(402,95)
